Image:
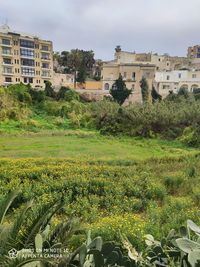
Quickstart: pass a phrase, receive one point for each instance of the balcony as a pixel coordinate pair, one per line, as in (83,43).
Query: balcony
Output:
(6,44)
(6,54)
(7,64)
(7,73)
(27,75)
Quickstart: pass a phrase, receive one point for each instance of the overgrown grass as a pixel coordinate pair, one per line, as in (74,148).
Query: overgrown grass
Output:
(89,145)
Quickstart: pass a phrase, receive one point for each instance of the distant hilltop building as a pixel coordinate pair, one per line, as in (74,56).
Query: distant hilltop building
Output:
(131,70)
(24,58)
(194,52)
(175,80)
(165,72)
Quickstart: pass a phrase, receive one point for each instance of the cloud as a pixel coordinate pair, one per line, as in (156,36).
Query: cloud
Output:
(141,25)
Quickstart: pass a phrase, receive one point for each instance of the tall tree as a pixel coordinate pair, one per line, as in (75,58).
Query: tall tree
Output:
(156,97)
(78,62)
(119,91)
(144,89)
(81,76)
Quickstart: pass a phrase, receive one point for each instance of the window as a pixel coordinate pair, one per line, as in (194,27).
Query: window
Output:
(6,51)
(168,77)
(8,79)
(28,71)
(36,46)
(28,80)
(45,56)
(166,87)
(125,74)
(7,70)
(45,65)
(133,87)
(45,48)
(133,76)
(106,86)
(26,43)
(27,53)
(6,41)
(159,59)
(27,62)
(194,76)
(45,73)
(179,75)
(7,61)
(15,42)
(16,52)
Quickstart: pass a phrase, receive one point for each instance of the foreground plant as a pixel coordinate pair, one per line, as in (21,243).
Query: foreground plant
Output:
(176,250)
(24,241)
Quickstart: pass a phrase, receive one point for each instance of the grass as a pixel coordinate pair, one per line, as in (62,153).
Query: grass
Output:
(88,145)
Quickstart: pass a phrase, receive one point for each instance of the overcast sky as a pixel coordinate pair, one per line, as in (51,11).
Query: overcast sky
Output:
(163,26)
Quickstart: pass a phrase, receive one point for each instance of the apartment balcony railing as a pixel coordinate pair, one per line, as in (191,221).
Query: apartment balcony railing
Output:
(7,73)
(6,44)
(6,54)
(7,64)
(28,75)
(27,56)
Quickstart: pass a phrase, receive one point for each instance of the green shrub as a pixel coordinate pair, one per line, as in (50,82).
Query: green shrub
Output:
(191,136)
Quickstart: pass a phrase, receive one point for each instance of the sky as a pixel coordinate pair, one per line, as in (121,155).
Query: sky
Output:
(160,26)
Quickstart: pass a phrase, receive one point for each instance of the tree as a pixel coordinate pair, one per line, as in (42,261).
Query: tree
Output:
(119,91)
(78,62)
(183,92)
(81,76)
(49,89)
(156,97)
(144,89)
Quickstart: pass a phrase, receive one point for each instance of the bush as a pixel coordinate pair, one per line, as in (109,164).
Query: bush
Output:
(20,92)
(71,95)
(166,119)
(191,136)
(37,96)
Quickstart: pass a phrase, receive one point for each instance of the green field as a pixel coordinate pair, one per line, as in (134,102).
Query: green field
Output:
(89,145)
(137,186)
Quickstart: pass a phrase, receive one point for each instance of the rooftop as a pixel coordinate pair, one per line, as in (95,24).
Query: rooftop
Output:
(7,30)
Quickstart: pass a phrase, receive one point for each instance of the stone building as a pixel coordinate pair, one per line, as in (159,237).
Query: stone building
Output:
(167,81)
(125,63)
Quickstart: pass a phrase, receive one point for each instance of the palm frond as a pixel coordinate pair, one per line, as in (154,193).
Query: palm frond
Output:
(20,220)
(40,222)
(5,204)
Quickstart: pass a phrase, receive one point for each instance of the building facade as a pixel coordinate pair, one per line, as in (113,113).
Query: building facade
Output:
(24,58)
(132,71)
(194,52)
(167,81)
